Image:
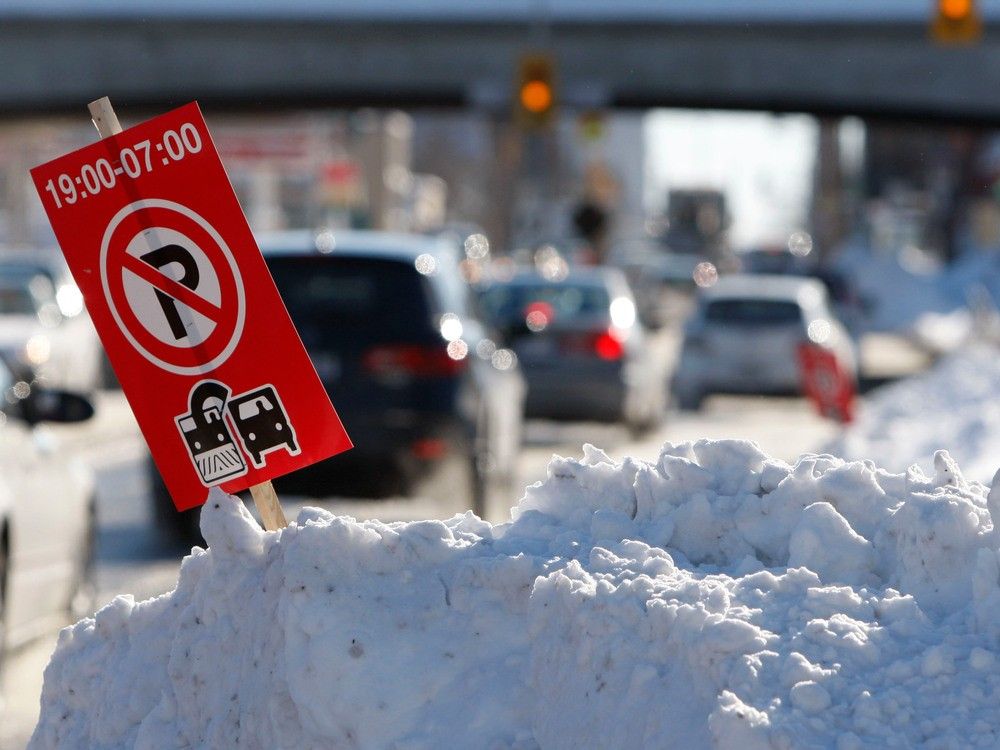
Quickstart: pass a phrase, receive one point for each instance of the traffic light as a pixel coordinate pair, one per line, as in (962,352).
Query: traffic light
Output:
(956,22)
(535,97)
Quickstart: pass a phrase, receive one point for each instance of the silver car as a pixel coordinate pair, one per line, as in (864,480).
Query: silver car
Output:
(47,514)
(584,353)
(43,323)
(744,335)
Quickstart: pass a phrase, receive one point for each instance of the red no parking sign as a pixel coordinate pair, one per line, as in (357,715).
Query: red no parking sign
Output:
(207,356)
(147,304)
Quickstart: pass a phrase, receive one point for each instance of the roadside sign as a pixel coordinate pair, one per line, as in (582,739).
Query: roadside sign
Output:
(194,327)
(826,383)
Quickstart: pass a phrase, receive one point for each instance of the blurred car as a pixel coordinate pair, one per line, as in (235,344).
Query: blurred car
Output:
(43,324)
(47,513)
(387,321)
(427,399)
(773,260)
(662,281)
(846,301)
(744,334)
(583,352)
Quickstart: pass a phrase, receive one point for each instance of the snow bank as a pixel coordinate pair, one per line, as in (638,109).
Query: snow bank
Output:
(716,598)
(935,305)
(955,404)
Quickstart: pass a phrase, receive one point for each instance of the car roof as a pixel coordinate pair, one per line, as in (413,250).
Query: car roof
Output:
(352,242)
(765,287)
(595,275)
(32,256)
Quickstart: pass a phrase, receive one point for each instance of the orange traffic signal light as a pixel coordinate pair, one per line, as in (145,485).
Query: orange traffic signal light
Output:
(535,95)
(956,22)
(955,10)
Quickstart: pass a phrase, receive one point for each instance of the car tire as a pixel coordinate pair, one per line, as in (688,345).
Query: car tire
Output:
(689,399)
(480,483)
(484,474)
(649,421)
(83,595)
(181,527)
(640,428)
(4,556)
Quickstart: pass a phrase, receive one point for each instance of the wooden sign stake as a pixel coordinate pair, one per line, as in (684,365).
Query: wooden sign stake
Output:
(264,496)
(268,505)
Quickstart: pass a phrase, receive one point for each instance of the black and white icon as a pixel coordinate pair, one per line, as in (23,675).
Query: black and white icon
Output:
(258,417)
(163,257)
(211,445)
(262,424)
(173,287)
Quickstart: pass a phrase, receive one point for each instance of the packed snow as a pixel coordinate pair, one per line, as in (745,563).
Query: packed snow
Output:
(955,404)
(716,598)
(906,293)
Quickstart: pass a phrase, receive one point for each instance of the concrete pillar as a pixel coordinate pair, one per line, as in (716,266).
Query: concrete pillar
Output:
(828,190)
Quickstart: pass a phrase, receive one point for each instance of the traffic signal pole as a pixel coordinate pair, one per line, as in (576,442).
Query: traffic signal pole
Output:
(535,104)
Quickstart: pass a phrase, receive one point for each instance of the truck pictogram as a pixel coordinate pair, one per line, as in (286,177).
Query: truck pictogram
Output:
(262,423)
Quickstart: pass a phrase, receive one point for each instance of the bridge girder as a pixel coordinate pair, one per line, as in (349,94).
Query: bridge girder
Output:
(893,70)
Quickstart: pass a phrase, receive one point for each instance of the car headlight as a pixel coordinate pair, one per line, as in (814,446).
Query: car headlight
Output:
(37,350)
(70,300)
(622,312)
(820,331)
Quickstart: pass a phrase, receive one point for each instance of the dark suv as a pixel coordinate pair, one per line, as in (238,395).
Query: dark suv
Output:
(386,320)
(419,386)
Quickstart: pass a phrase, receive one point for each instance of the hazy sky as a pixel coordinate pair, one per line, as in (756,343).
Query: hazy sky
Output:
(763,162)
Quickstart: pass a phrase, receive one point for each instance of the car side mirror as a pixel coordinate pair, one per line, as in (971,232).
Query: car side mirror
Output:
(43,405)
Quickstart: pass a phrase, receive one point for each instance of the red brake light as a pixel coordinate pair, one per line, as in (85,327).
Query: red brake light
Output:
(429,449)
(608,346)
(605,344)
(412,360)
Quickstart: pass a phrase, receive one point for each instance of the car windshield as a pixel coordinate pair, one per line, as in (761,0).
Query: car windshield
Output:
(764,261)
(507,302)
(16,299)
(333,300)
(752,312)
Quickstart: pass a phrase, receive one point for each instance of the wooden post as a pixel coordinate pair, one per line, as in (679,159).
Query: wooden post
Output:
(264,496)
(268,505)
(104,117)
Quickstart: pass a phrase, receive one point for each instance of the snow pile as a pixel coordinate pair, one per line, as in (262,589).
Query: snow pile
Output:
(936,305)
(716,598)
(954,404)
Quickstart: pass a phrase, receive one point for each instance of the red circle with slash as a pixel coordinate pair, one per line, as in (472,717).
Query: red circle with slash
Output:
(208,313)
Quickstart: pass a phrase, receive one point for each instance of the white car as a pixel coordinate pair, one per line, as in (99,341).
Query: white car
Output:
(744,334)
(47,522)
(43,324)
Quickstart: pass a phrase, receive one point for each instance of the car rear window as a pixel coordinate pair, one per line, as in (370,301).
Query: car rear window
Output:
(16,300)
(753,312)
(23,291)
(352,297)
(505,302)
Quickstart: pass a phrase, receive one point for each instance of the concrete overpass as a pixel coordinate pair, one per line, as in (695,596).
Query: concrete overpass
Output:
(745,54)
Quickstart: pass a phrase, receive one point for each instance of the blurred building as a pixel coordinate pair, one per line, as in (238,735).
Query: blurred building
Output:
(924,183)
(289,170)
(522,186)
(458,147)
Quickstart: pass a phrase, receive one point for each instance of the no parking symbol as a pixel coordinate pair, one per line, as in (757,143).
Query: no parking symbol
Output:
(173,286)
(218,379)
